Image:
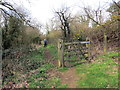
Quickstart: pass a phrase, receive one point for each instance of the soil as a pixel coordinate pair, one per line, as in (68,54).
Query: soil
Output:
(47,54)
(69,77)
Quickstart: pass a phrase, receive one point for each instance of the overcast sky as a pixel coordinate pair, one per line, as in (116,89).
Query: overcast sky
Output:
(42,10)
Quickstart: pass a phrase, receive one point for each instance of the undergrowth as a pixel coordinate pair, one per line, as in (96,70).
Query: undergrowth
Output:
(36,72)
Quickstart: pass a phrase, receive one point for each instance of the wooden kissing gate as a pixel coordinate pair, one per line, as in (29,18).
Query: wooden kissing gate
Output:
(73,52)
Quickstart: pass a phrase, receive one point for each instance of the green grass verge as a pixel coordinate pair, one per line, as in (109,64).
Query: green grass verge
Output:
(103,73)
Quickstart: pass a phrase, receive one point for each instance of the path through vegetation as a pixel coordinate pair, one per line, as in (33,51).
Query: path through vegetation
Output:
(101,73)
(68,77)
(50,58)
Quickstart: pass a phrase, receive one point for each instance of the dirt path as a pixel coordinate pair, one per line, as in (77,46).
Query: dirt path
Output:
(69,77)
(47,54)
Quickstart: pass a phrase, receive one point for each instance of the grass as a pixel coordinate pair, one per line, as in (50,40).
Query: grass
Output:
(53,51)
(38,80)
(62,69)
(103,73)
(55,82)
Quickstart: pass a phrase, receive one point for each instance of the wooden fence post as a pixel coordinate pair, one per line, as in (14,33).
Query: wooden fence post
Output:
(105,42)
(89,48)
(60,53)
(59,62)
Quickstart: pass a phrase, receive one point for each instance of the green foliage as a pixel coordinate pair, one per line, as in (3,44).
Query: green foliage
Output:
(32,35)
(12,33)
(53,51)
(36,84)
(100,74)
(36,72)
(16,34)
(53,36)
(55,82)
(63,86)
(110,54)
(79,34)
(34,59)
(50,46)
(37,40)
(38,80)
(46,67)
(25,61)
(62,69)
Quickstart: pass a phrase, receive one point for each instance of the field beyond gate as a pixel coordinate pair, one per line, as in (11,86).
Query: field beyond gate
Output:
(73,52)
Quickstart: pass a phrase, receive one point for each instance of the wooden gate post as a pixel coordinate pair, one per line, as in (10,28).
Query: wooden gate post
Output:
(89,48)
(60,53)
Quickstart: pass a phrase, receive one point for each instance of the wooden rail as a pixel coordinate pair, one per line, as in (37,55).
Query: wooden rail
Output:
(68,55)
(68,49)
(83,42)
(77,49)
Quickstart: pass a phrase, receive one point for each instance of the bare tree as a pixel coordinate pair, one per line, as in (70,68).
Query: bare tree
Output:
(96,17)
(64,17)
(117,3)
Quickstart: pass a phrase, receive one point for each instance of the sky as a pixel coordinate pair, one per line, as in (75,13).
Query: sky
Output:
(43,10)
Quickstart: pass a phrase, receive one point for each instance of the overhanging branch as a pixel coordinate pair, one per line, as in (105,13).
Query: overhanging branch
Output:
(11,8)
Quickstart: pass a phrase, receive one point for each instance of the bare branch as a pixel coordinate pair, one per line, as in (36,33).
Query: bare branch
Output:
(11,8)
(4,11)
(86,11)
(64,17)
(117,4)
